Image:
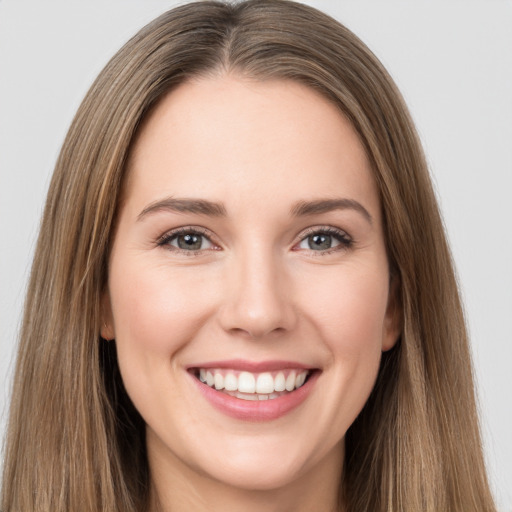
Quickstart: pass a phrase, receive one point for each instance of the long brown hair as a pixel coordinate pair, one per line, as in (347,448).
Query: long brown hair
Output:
(75,442)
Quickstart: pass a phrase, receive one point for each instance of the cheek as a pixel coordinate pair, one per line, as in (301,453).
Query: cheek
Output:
(156,311)
(351,308)
(350,317)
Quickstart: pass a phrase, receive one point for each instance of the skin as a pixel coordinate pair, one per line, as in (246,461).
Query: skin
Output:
(256,290)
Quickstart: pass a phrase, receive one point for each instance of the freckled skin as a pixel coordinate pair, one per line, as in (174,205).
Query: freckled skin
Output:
(256,290)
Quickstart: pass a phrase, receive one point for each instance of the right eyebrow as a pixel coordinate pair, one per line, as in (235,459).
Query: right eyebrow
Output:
(186,205)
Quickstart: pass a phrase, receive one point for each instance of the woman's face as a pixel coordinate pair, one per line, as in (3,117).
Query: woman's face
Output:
(249,254)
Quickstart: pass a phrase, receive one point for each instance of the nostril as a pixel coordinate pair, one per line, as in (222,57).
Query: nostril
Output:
(257,332)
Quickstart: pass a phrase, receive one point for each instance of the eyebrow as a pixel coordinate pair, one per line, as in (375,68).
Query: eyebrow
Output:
(213,209)
(318,206)
(198,206)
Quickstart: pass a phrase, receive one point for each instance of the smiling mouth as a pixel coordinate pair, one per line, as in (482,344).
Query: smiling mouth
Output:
(253,386)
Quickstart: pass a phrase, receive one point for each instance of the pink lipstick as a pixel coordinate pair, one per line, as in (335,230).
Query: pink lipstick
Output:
(254,391)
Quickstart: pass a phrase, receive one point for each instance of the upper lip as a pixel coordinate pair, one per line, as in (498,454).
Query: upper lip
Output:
(252,366)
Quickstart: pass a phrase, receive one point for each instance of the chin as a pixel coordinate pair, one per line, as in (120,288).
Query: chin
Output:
(264,477)
(265,465)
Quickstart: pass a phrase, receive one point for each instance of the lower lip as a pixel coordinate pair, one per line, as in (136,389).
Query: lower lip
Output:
(257,410)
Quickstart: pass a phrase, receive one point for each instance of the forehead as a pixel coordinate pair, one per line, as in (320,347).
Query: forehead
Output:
(226,137)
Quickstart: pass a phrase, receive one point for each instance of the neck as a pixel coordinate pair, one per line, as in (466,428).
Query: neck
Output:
(177,487)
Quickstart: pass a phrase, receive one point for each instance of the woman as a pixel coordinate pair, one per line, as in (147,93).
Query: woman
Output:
(242,295)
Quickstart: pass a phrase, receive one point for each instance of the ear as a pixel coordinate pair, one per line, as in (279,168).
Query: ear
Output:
(393,320)
(107,331)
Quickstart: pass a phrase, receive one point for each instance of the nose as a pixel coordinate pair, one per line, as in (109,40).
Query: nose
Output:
(258,301)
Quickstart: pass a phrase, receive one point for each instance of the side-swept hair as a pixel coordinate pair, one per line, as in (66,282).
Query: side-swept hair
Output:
(75,442)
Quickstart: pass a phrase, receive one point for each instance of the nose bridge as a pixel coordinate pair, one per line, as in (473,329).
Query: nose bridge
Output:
(257,302)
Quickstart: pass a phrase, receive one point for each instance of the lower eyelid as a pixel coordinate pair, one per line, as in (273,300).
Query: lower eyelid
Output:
(205,241)
(339,235)
(340,245)
(343,239)
(167,238)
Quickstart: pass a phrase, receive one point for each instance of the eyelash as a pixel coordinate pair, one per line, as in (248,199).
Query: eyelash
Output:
(345,241)
(167,238)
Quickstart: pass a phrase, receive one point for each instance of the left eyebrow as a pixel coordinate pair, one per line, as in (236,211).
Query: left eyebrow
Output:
(198,206)
(318,206)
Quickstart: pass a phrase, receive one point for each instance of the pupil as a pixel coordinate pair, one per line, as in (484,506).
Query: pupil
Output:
(319,242)
(189,242)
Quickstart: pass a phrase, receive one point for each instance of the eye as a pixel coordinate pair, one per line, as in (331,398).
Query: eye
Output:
(190,242)
(186,240)
(324,240)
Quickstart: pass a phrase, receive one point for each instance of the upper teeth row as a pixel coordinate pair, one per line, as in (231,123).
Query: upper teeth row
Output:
(247,382)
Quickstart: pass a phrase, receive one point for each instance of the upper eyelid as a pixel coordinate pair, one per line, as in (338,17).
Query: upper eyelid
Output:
(345,240)
(187,229)
(323,229)
(214,239)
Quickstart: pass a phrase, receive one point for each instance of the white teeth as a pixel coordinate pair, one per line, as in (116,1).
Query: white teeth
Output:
(290,382)
(249,386)
(246,383)
(218,381)
(265,383)
(230,382)
(280,382)
(254,397)
(247,396)
(299,380)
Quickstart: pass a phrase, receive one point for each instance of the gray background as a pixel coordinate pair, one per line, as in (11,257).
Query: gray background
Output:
(451,59)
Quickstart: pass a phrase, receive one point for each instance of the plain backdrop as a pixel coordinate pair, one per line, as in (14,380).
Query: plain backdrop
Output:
(453,63)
